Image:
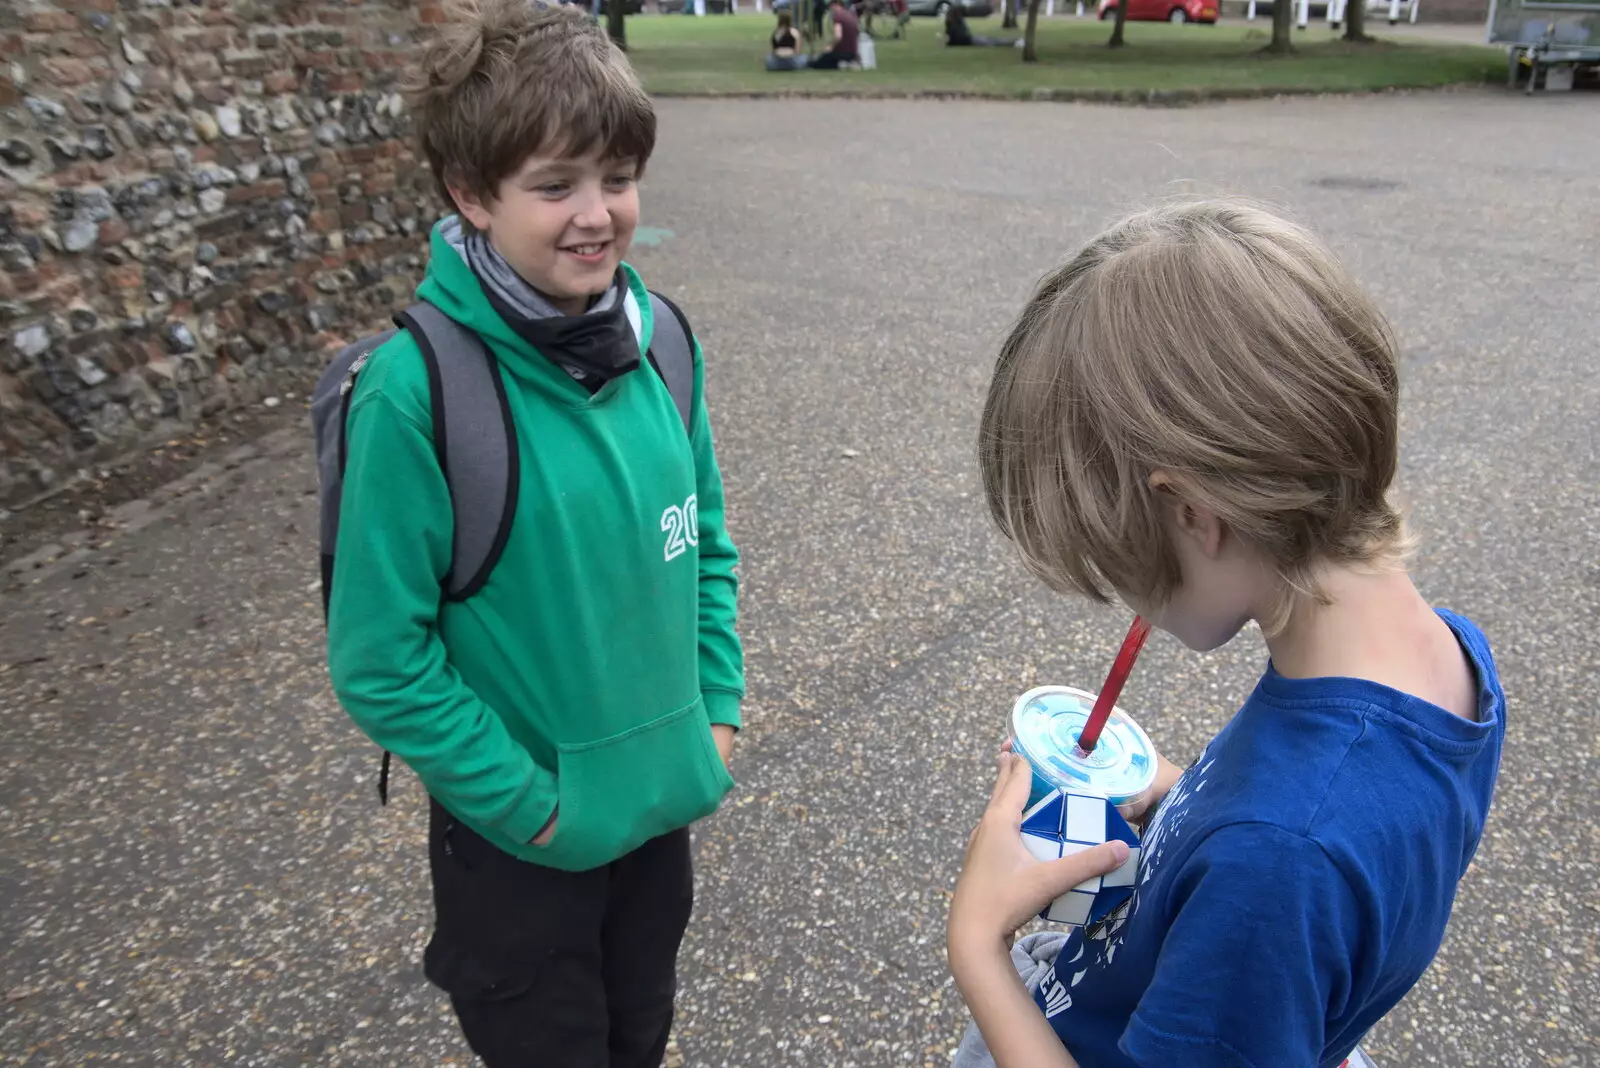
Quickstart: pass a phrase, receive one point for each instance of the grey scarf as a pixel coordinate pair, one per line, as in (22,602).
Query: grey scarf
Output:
(498,276)
(593,348)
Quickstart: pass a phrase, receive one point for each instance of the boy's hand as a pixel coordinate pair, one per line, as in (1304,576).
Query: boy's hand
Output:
(1002,885)
(1167,775)
(723,734)
(549,832)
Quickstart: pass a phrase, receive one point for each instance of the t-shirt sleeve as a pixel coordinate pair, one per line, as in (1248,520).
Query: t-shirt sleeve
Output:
(1257,957)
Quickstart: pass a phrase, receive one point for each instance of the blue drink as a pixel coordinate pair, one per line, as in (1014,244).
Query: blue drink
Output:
(1045,725)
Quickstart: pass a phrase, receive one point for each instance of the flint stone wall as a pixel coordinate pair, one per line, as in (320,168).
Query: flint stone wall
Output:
(198,198)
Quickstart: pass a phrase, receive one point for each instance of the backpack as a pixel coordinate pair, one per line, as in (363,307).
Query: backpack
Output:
(473,434)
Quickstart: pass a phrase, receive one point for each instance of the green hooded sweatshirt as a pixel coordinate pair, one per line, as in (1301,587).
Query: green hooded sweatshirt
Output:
(588,670)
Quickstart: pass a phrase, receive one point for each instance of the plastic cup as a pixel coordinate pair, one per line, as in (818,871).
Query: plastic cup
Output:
(1045,724)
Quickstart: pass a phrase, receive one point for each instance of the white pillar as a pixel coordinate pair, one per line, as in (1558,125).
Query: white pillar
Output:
(1305,13)
(1080,9)
(699,8)
(1050,9)
(1251,13)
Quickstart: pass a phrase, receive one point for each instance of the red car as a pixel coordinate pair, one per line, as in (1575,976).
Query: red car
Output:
(1164,10)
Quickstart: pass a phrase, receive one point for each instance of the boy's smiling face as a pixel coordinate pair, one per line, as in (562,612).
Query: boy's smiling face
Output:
(563,223)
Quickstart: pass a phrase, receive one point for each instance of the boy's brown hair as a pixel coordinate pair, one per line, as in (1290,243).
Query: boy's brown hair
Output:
(505,79)
(1219,343)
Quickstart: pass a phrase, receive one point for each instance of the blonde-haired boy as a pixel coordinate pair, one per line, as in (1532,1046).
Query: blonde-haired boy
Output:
(1198,415)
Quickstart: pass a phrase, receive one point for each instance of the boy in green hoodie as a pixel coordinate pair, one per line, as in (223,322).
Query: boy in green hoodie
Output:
(573,715)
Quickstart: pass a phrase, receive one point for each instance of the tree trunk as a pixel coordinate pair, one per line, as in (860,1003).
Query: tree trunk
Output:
(1283,26)
(1009,22)
(1122,17)
(616,26)
(1355,22)
(1030,54)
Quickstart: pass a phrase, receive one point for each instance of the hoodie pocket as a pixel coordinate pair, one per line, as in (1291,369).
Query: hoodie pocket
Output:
(617,793)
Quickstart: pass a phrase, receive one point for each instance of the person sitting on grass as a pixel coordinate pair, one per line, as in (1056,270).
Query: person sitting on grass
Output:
(957,34)
(786,40)
(846,38)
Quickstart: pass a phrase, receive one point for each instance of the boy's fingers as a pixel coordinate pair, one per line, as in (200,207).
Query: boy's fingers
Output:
(1011,788)
(1001,803)
(1052,878)
(1002,769)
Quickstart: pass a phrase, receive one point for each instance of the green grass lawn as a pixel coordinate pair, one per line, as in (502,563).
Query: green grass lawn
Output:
(677,55)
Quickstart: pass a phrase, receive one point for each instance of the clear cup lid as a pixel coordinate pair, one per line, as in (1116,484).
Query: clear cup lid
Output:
(1045,725)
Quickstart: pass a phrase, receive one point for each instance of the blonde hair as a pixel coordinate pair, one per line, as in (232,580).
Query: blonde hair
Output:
(1223,345)
(505,79)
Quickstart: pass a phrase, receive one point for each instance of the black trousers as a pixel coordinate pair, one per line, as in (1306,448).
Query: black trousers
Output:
(556,969)
(830,60)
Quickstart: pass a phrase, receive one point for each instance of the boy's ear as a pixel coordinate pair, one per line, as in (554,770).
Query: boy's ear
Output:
(1186,517)
(472,207)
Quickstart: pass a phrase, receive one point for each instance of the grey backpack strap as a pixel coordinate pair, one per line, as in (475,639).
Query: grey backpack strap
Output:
(330,409)
(672,354)
(475,439)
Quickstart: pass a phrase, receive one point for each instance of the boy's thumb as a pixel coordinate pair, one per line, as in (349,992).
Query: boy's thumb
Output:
(1056,877)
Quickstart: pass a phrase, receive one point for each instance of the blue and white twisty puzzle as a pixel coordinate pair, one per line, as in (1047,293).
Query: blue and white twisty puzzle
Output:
(1062,824)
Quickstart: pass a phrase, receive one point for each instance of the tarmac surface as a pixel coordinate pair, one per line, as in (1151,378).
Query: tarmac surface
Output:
(194,870)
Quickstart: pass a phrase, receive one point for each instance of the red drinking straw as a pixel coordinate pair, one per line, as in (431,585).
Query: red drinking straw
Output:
(1121,667)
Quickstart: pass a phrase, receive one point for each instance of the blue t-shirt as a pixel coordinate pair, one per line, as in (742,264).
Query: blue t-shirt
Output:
(1294,884)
